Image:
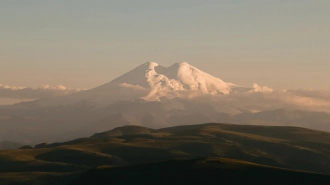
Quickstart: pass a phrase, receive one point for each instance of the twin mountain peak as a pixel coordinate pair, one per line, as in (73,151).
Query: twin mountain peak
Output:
(151,82)
(174,80)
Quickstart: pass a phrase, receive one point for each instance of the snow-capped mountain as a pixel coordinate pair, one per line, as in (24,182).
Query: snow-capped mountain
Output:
(171,81)
(154,96)
(149,81)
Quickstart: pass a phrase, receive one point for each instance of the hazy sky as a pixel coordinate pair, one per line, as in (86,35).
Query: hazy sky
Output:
(83,44)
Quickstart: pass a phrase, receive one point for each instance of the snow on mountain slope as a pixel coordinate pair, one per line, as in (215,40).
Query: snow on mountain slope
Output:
(198,80)
(179,77)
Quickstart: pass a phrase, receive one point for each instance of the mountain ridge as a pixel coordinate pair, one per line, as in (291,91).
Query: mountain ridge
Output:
(162,81)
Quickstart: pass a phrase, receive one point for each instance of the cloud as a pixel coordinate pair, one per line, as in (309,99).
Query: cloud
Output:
(260,98)
(278,99)
(58,87)
(255,99)
(135,87)
(11,87)
(45,91)
(315,94)
(257,88)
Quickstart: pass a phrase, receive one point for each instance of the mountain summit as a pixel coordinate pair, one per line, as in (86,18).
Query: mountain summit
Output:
(171,81)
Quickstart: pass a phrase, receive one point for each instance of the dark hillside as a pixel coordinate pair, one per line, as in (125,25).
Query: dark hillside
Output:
(201,171)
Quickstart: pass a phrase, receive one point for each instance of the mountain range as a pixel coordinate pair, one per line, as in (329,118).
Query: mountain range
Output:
(150,95)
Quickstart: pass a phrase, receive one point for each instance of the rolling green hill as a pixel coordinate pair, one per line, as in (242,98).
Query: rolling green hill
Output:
(280,147)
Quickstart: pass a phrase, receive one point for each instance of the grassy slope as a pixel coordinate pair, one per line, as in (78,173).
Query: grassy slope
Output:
(285,147)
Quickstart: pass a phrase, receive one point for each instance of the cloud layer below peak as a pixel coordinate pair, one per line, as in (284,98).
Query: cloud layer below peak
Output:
(264,98)
(257,98)
(44,91)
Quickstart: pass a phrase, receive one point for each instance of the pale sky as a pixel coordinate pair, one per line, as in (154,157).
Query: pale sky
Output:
(283,44)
